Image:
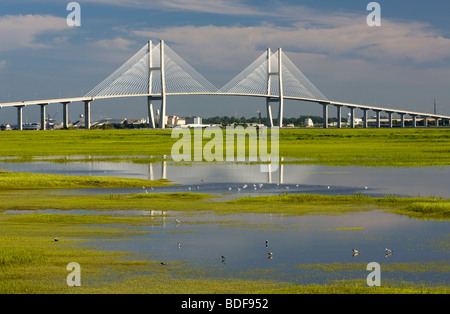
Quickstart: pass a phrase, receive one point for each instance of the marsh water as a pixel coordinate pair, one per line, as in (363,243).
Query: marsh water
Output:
(305,249)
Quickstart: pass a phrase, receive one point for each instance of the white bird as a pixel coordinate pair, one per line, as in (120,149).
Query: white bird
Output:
(238,189)
(244,186)
(229,189)
(198,188)
(177,221)
(189,188)
(328,187)
(365,187)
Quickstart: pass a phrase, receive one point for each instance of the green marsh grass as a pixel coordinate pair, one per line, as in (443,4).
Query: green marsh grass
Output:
(34,181)
(335,147)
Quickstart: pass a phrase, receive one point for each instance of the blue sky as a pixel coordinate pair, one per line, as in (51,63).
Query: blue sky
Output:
(404,64)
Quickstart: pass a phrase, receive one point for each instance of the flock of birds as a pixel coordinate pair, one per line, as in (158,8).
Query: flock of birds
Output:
(240,188)
(223,259)
(388,252)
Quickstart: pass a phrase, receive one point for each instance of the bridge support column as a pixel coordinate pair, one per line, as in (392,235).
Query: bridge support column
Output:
(269,113)
(163,87)
(436,121)
(378,112)
(65,115)
(425,122)
(151,118)
(280,84)
(390,120)
(339,116)
(402,120)
(365,122)
(414,121)
(87,115)
(325,116)
(43,122)
(19,118)
(352,118)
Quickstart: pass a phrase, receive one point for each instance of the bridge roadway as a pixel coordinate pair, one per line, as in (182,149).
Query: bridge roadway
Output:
(325,104)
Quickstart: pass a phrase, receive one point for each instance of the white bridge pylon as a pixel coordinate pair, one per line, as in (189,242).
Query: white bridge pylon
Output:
(157,71)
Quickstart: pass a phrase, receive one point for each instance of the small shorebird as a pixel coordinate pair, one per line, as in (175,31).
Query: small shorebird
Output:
(269,253)
(389,252)
(163,263)
(267,243)
(56,239)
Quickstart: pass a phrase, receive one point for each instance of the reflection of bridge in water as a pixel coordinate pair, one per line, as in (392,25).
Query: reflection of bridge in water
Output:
(271,76)
(277,172)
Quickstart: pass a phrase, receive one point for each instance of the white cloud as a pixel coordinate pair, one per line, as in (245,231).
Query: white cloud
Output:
(21,31)
(117,43)
(341,37)
(234,7)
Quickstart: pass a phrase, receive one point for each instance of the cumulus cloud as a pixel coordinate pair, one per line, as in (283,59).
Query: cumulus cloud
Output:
(21,31)
(118,43)
(393,41)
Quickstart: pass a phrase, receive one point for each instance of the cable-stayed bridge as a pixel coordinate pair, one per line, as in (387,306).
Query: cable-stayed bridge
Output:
(156,72)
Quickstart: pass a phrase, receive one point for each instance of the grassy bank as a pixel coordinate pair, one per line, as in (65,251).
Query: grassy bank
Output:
(36,181)
(342,147)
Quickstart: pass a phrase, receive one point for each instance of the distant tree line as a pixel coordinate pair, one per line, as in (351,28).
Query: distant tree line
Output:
(298,122)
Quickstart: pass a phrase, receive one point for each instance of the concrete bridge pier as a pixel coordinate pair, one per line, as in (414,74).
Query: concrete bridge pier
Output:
(436,121)
(365,122)
(339,116)
(325,116)
(352,118)
(151,117)
(402,120)
(414,121)
(378,113)
(390,119)
(65,114)
(43,122)
(87,114)
(19,118)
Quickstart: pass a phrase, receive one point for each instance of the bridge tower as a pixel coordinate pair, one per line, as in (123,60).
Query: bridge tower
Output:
(280,98)
(162,98)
